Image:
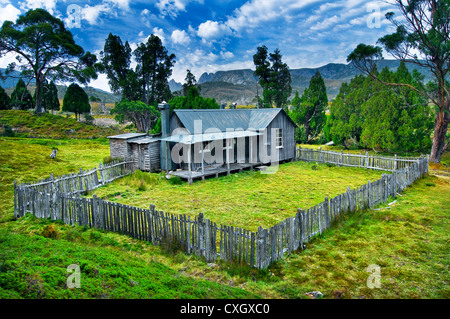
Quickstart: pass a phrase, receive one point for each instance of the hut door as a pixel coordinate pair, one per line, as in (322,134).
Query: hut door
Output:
(141,158)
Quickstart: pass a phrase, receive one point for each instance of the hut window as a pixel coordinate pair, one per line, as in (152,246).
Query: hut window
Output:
(279,137)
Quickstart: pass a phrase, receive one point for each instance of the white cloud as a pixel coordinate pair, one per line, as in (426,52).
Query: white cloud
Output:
(122,4)
(91,14)
(180,37)
(172,8)
(227,55)
(101,83)
(9,12)
(211,30)
(256,12)
(48,5)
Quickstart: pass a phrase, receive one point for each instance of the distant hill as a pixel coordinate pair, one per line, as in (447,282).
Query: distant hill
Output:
(10,82)
(240,86)
(175,86)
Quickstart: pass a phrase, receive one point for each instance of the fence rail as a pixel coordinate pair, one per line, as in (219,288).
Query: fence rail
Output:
(59,199)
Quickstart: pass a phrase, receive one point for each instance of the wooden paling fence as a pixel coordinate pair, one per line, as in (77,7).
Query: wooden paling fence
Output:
(84,181)
(355,160)
(199,235)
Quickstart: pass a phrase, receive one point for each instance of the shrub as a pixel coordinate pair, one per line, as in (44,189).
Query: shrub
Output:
(175,180)
(7,131)
(49,231)
(107,159)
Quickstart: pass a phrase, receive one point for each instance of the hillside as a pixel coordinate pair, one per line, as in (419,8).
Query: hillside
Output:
(240,85)
(26,124)
(10,82)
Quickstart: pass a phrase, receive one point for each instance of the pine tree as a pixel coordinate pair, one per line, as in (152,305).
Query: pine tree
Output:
(4,100)
(21,98)
(311,111)
(368,113)
(49,97)
(76,100)
(274,77)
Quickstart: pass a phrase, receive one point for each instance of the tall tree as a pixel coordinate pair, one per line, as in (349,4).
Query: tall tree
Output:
(310,112)
(116,60)
(422,38)
(190,81)
(45,49)
(50,99)
(274,77)
(153,70)
(4,100)
(21,98)
(76,100)
(366,112)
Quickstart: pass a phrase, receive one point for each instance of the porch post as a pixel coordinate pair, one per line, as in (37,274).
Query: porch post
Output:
(228,156)
(189,161)
(203,168)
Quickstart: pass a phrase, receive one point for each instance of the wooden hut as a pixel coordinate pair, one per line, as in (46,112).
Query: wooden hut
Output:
(119,147)
(198,143)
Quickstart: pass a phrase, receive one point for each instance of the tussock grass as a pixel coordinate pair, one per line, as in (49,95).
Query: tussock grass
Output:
(248,199)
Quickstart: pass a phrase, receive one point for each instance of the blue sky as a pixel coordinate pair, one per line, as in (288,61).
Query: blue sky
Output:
(209,36)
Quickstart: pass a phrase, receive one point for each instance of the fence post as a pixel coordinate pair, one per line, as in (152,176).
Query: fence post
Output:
(201,230)
(326,208)
(15,200)
(367,160)
(95,212)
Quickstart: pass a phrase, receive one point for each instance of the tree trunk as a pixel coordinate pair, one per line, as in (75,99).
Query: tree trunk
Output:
(442,120)
(38,109)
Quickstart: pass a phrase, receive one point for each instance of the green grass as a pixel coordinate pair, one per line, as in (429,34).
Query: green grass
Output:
(248,199)
(409,241)
(26,124)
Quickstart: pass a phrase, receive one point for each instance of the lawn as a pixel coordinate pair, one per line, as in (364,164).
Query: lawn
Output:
(248,199)
(408,241)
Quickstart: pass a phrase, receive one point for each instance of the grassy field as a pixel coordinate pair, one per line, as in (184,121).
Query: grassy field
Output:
(47,125)
(408,241)
(248,199)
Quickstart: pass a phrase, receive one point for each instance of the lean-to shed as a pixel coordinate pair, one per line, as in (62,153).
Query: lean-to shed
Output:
(118,144)
(146,152)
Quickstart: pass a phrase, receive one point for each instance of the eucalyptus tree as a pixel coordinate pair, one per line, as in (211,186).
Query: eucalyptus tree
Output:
(422,38)
(45,49)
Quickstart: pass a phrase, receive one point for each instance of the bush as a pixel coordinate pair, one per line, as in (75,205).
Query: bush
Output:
(7,131)
(175,180)
(107,160)
(49,231)
(89,118)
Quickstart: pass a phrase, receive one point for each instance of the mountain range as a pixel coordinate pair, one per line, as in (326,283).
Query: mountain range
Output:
(240,86)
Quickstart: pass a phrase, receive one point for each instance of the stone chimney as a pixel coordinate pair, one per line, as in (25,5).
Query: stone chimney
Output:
(166,161)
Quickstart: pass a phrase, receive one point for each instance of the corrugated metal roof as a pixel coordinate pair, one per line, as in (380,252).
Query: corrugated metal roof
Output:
(261,118)
(196,138)
(127,136)
(145,140)
(227,119)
